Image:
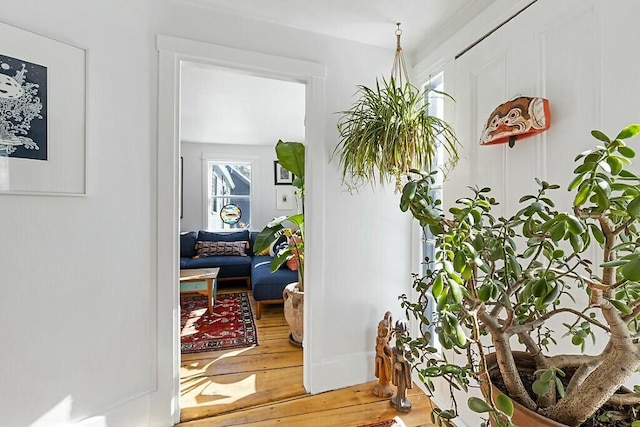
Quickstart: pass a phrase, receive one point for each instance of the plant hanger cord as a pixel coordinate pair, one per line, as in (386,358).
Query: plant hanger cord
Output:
(399,69)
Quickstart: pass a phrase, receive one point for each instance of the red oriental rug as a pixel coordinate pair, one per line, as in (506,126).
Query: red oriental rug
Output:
(231,324)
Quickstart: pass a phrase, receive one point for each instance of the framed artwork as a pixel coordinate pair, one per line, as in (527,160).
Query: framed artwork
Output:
(285,199)
(42,115)
(281,176)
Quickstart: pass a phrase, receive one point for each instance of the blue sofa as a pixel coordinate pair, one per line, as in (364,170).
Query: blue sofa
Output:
(254,269)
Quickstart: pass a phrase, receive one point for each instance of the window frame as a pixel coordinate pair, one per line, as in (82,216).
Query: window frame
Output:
(206,188)
(428,242)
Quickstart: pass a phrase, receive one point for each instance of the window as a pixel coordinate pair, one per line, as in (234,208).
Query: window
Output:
(228,183)
(436,108)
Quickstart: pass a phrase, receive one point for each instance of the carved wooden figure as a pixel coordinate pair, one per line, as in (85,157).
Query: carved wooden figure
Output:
(383,357)
(401,375)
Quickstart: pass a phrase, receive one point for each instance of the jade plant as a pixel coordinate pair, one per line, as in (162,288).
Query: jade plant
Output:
(530,281)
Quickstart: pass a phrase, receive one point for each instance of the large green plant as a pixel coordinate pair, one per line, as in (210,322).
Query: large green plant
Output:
(498,279)
(291,156)
(388,131)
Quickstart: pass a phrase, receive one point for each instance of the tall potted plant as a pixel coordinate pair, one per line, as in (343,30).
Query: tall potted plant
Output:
(291,156)
(495,280)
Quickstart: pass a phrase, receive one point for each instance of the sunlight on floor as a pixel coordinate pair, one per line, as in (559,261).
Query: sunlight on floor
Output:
(218,393)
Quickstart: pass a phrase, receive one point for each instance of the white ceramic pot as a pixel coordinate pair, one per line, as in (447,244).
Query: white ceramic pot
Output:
(294,311)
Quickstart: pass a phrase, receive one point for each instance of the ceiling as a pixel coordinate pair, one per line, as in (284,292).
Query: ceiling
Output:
(366,21)
(219,106)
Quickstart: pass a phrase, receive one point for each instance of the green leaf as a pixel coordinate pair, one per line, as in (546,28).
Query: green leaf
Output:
(409,191)
(631,271)
(615,164)
(504,404)
(540,288)
(541,388)
(633,208)
(628,132)
(576,181)
(478,405)
(291,157)
(459,261)
(629,153)
(599,135)
(614,263)
(560,387)
(546,376)
(622,307)
(456,291)
(597,233)
(575,226)
(582,195)
(436,289)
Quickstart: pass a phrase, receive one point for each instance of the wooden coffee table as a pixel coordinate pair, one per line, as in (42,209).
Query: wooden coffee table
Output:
(191,281)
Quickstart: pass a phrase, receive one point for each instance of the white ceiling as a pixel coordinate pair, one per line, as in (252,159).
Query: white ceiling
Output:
(219,106)
(366,21)
(224,107)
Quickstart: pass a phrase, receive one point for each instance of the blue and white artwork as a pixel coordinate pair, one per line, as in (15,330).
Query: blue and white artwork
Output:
(23,109)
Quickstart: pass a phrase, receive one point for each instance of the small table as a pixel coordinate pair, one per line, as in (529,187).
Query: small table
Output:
(209,275)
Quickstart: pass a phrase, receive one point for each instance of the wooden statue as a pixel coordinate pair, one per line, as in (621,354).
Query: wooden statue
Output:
(401,375)
(383,357)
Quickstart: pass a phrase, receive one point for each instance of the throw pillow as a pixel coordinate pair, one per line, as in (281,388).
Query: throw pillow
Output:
(207,249)
(265,251)
(278,244)
(188,244)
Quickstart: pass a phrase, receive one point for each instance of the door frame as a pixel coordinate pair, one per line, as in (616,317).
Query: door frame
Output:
(172,52)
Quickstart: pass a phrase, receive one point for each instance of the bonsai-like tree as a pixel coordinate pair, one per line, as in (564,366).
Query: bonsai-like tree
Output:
(495,279)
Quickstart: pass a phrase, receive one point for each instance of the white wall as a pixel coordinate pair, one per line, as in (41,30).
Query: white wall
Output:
(364,261)
(263,201)
(76,289)
(568,52)
(79,289)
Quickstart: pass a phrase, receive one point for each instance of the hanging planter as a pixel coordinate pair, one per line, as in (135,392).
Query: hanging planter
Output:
(388,131)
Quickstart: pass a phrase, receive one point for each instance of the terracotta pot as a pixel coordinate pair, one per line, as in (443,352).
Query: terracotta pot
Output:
(522,416)
(294,311)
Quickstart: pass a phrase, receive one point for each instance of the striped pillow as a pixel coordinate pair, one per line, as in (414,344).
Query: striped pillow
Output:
(207,249)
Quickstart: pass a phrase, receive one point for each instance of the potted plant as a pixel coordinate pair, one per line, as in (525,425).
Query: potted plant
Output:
(388,131)
(291,156)
(498,282)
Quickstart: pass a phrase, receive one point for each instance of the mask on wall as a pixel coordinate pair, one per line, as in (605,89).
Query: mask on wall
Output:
(516,119)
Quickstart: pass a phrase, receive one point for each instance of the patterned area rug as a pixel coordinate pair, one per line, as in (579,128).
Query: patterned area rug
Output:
(231,324)
(395,422)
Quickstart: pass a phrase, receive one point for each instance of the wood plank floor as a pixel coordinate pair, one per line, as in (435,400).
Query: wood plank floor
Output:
(262,386)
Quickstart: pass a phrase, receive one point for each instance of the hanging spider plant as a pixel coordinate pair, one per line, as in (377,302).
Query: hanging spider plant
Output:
(388,131)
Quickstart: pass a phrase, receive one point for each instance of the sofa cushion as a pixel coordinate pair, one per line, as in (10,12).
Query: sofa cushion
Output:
(188,244)
(267,285)
(208,249)
(207,236)
(230,266)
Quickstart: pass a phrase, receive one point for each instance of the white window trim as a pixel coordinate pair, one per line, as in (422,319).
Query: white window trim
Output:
(204,177)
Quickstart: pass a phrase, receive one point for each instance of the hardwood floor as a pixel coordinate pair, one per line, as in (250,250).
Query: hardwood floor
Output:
(262,386)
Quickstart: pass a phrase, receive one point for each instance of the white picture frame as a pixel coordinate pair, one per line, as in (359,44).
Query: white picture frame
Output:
(43,152)
(285,199)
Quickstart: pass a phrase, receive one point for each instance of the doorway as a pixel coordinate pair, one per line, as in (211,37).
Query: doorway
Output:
(230,122)
(172,52)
